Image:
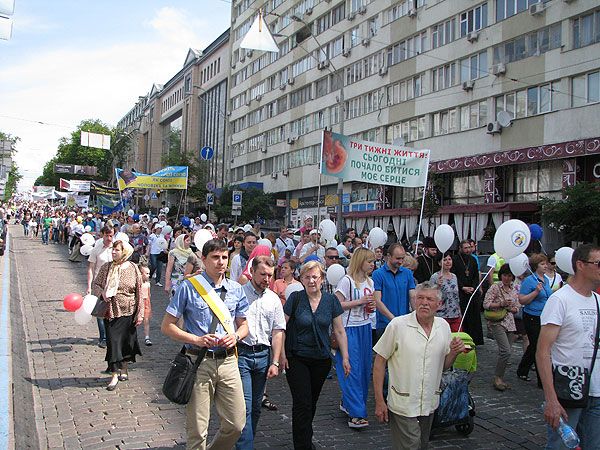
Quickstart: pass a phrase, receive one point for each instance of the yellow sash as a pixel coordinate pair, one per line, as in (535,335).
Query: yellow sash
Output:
(214,302)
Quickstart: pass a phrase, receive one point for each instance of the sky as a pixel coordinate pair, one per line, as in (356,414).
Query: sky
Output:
(69,60)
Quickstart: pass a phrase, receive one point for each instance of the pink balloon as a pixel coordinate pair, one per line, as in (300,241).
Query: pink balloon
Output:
(72,302)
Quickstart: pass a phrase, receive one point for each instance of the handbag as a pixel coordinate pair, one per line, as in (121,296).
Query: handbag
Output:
(179,382)
(100,308)
(290,329)
(572,383)
(495,315)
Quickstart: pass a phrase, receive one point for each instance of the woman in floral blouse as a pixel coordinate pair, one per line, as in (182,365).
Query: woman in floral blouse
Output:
(119,283)
(502,296)
(446,280)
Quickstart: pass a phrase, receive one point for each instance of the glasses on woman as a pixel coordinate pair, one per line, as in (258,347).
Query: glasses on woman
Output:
(311,277)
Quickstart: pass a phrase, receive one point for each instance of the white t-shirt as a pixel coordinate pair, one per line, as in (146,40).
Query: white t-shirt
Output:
(356,316)
(554,281)
(155,249)
(100,255)
(574,345)
(308,249)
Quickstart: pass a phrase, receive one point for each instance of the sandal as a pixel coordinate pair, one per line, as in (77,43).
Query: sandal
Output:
(357,422)
(500,386)
(113,384)
(524,377)
(266,403)
(123,377)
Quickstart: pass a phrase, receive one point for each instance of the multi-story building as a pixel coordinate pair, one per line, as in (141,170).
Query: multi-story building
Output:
(504,92)
(184,115)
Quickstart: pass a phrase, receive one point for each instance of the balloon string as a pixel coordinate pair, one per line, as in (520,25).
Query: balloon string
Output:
(542,246)
(471,298)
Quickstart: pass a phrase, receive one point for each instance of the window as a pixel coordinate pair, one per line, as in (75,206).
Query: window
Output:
(355,36)
(531,182)
(466,189)
(473,115)
(338,13)
(443,77)
(409,130)
(300,96)
(473,20)
(508,8)
(585,89)
(321,87)
(407,49)
(443,33)
(373,25)
(474,67)
(586,30)
(526,102)
(532,44)
(445,122)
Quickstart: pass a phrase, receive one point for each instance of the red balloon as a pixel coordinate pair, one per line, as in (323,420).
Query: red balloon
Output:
(72,302)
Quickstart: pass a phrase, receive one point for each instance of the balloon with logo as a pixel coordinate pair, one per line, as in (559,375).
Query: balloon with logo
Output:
(87,239)
(86,250)
(443,237)
(511,239)
(72,302)
(185,221)
(519,264)
(327,229)
(536,231)
(564,259)
(335,273)
(202,237)
(377,238)
(294,287)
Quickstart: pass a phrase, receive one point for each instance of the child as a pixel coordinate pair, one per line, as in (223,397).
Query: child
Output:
(145,271)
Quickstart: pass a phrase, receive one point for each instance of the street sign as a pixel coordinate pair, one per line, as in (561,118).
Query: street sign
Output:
(207,153)
(153,196)
(210,198)
(236,212)
(146,197)
(210,186)
(236,198)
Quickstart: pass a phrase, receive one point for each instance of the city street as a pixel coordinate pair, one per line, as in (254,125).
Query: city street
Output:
(60,400)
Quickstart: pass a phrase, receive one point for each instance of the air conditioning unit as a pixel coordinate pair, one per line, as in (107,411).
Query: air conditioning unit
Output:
(468,85)
(248,102)
(233,65)
(258,98)
(536,9)
(473,36)
(249,53)
(346,52)
(291,140)
(362,10)
(412,12)
(285,172)
(351,16)
(366,41)
(383,70)
(499,69)
(242,57)
(282,87)
(263,149)
(494,128)
(308,11)
(322,65)
(274,175)
(568,1)
(291,81)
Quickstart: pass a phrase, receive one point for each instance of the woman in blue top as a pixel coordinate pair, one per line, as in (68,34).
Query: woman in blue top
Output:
(534,294)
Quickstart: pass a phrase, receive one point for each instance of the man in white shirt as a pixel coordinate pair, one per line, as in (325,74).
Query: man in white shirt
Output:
(101,254)
(258,352)
(284,241)
(238,263)
(313,247)
(154,251)
(417,347)
(567,338)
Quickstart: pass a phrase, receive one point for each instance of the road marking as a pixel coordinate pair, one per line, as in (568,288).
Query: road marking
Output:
(4,353)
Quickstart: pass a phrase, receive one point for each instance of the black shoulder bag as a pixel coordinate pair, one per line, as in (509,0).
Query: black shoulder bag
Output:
(290,328)
(572,383)
(179,382)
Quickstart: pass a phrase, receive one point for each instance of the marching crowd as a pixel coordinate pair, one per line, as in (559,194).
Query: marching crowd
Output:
(254,305)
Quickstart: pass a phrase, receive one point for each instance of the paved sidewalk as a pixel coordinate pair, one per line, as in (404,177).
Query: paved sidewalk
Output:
(57,375)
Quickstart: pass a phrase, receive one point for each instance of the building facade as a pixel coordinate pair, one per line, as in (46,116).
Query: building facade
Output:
(503,92)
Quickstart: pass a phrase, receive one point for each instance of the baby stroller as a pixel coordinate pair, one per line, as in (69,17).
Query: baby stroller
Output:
(457,407)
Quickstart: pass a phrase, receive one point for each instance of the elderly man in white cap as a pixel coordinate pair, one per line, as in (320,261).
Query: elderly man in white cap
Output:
(308,223)
(313,247)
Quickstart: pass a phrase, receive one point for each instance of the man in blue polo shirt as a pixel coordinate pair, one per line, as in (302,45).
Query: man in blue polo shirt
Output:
(394,288)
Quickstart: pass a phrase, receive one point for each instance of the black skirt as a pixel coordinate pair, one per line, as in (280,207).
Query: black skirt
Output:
(121,340)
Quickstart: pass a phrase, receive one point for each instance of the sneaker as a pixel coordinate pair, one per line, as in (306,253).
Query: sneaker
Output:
(158,283)
(357,422)
(148,342)
(343,409)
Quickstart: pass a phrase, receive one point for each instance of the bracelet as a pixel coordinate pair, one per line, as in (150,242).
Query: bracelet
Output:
(275,363)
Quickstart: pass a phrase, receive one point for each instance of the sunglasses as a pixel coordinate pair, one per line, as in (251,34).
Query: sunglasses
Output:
(332,257)
(553,263)
(596,263)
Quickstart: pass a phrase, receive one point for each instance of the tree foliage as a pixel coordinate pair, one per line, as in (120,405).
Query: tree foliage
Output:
(255,204)
(197,171)
(14,175)
(578,214)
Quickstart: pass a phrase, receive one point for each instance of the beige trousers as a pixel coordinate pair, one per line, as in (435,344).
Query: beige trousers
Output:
(218,381)
(410,433)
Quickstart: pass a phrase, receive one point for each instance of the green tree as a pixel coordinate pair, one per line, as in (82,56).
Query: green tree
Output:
(255,204)
(197,172)
(14,176)
(577,214)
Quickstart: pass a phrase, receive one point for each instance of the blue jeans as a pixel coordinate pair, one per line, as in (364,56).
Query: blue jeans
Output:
(101,330)
(155,267)
(586,423)
(45,233)
(25,228)
(253,371)
(55,235)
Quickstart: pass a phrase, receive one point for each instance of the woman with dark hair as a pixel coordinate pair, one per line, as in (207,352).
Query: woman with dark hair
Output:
(502,299)
(554,278)
(534,293)
(119,283)
(448,284)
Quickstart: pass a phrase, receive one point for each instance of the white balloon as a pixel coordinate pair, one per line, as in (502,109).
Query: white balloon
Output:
(491,262)
(265,242)
(82,317)
(511,239)
(99,243)
(564,259)
(294,287)
(162,243)
(247,227)
(332,243)
(130,213)
(89,301)
(166,230)
(202,237)
(162,224)
(167,210)
(444,237)
(120,236)
(327,229)
(155,220)
(88,228)
(519,264)
(377,238)
(335,273)
(87,239)
(86,250)
(203,217)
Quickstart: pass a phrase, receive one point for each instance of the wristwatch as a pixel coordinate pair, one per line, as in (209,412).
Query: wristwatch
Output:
(275,363)
(237,338)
